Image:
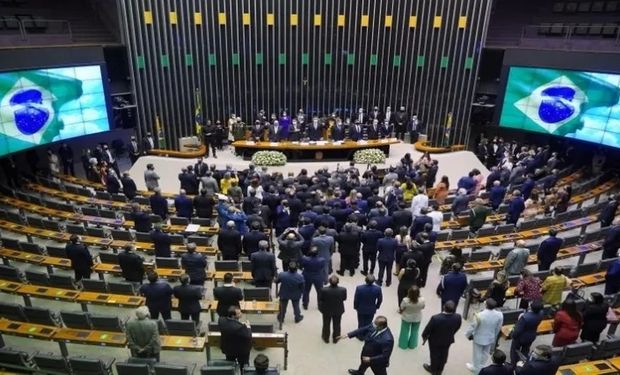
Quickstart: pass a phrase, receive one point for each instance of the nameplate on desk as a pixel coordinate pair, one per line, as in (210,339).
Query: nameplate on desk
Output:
(304,143)
(362,142)
(273,143)
(250,142)
(192,228)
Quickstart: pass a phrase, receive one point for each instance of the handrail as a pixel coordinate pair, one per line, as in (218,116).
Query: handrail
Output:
(23,31)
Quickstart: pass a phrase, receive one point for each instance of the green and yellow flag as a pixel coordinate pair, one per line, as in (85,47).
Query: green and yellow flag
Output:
(161,140)
(198,113)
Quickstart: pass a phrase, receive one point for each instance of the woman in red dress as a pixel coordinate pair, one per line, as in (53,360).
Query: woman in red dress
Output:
(567,324)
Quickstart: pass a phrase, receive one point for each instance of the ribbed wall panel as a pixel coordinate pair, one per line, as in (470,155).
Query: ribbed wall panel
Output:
(241,67)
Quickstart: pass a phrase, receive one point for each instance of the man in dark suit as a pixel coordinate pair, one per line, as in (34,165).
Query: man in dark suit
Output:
(229,241)
(377,349)
(81,260)
(515,208)
(548,250)
(608,213)
(141,220)
(439,332)
(264,268)
(313,272)
(194,265)
(331,306)
(227,295)
(189,297)
(129,186)
(159,204)
(417,226)
(291,289)
(338,131)
(611,243)
(385,131)
(525,331)
(158,296)
(499,365)
(386,248)
(251,239)
(236,339)
(148,143)
(369,239)
(540,363)
(200,168)
(132,265)
(113,186)
(497,194)
(276,132)
(133,149)
(349,248)
(184,205)
(452,285)
(401,217)
(314,130)
(356,132)
(161,242)
(372,131)
(203,205)
(366,301)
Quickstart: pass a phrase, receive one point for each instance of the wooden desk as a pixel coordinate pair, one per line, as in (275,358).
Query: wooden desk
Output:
(251,307)
(599,367)
(615,361)
(108,299)
(593,279)
(9,287)
(183,343)
(64,336)
(196,153)
(115,269)
(545,327)
(259,340)
(29,330)
(41,260)
(329,145)
(101,187)
(38,291)
(425,146)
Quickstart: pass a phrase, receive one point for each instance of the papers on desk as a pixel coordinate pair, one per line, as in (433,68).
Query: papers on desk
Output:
(337,142)
(362,142)
(304,143)
(192,228)
(250,142)
(321,143)
(273,143)
(295,142)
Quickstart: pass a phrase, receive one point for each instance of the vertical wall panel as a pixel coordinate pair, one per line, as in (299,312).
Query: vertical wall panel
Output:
(319,55)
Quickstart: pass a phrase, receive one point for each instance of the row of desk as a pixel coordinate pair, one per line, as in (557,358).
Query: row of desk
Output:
(64,336)
(566,252)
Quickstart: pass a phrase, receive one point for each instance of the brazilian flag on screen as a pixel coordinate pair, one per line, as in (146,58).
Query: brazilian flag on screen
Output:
(30,103)
(554,101)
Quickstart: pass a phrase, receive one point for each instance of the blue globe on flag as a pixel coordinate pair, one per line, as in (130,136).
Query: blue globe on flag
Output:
(30,114)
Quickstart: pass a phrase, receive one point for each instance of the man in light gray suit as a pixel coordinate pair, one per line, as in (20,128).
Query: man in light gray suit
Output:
(484,331)
(517,258)
(325,245)
(151,178)
(209,183)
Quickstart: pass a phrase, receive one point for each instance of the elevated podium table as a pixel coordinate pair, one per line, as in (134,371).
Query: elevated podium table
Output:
(318,150)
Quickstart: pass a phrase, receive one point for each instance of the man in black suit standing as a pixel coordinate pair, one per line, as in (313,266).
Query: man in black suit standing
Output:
(158,296)
(129,186)
(132,265)
(81,260)
(439,332)
(161,242)
(229,242)
(133,149)
(377,349)
(194,265)
(264,268)
(189,297)
(148,143)
(252,239)
(141,220)
(331,305)
(227,295)
(236,339)
(159,204)
(608,213)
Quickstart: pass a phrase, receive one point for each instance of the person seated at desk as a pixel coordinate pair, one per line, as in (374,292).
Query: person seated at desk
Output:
(373,130)
(261,367)
(257,131)
(385,131)
(315,130)
(295,133)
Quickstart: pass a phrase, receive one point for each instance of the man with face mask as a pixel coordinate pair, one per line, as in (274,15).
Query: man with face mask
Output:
(356,131)
(361,117)
(108,157)
(414,128)
(377,349)
(315,130)
(401,123)
(338,131)
(373,130)
(539,363)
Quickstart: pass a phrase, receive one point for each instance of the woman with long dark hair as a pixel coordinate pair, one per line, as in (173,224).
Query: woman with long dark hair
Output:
(407,277)
(567,323)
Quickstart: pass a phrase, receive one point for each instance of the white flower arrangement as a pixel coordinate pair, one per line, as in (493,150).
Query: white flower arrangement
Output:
(269,158)
(369,156)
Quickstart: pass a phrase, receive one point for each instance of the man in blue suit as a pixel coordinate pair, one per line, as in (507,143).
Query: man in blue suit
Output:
(377,349)
(524,331)
(439,332)
(515,208)
(419,222)
(496,195)
(548,250)
(325,246)
(158,296)
(184,205)
(452,285)
(338,131)
(366,301)
(194,264)
(306,230)
(467,183)
(611,243)
(608,213)
(527,186)
(291,289)
(612,278)
(159,204)
(161,242)
(314,274)
(356,132)
(264,268)
(369,238)
(252,239)
(386,247)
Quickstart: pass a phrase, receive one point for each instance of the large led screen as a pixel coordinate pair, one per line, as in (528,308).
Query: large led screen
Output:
(568,103)
(48,105)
